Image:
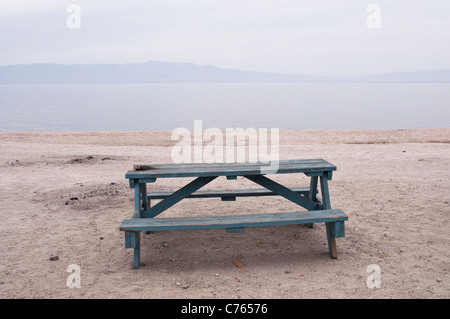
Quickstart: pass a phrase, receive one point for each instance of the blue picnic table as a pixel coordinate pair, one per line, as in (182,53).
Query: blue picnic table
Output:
(318,208)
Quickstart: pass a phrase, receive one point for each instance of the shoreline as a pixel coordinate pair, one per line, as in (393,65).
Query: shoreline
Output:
(387,136)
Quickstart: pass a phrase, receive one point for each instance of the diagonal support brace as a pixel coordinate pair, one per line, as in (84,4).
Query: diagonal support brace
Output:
(283,191)
(177,196)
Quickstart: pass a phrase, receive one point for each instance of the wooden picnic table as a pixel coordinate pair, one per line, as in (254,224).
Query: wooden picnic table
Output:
(318,209)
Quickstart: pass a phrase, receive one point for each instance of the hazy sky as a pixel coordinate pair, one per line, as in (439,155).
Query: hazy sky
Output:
(318,37)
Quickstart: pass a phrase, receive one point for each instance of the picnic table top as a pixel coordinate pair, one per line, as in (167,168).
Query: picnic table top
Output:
(150,171)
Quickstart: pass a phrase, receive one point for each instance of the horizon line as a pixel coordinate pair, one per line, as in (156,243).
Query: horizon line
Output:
(232,69)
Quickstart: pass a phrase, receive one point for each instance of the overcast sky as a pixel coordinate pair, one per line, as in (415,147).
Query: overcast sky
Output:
(317,37)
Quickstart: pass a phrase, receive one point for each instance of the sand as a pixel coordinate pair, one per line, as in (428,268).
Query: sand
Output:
(65,194)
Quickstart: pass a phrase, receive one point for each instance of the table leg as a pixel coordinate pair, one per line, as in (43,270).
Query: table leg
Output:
(137,250)
(144,200)
(313,188)
(332,248)
(133,240)
(312,193)
(137,201)
(331,238)
(149,204)
(325,192)
(140,199)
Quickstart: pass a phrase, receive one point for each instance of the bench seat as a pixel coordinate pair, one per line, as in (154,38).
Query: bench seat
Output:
(333,218)
(232,221)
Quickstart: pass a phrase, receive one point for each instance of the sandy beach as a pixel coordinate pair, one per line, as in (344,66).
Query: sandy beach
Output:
(65,194)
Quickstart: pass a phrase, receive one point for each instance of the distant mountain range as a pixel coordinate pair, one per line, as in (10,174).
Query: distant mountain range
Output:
(155,71)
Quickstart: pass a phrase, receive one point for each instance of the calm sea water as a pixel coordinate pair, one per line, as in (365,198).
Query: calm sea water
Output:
(166,106)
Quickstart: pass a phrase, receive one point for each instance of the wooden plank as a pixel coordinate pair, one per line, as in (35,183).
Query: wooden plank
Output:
(226,169)
(235,230)
(231,167)
(147,180)
(321,173)
(228,198)
(314,174)
(145,167)
(233,221)
(228,193)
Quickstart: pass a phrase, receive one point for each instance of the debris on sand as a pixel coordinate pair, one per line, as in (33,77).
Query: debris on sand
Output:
(81,160)
(237,263)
